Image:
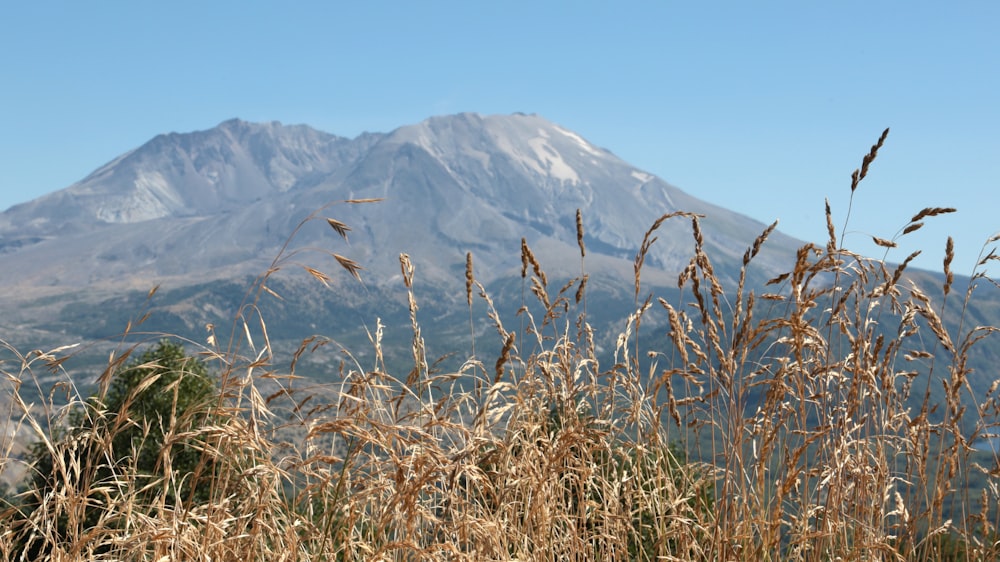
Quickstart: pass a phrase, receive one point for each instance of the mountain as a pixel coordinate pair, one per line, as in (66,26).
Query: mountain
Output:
(195,174)
(213,204)
(202,214)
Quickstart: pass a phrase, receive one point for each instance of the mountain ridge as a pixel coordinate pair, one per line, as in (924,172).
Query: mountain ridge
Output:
(454,184)
(76,265)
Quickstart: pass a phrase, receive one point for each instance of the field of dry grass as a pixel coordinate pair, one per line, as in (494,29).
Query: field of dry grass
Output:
(790,423)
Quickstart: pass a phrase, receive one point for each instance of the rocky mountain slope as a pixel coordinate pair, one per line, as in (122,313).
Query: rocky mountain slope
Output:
(201,214)
(217,203)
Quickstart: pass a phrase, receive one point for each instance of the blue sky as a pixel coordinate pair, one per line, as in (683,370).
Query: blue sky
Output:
(763,107)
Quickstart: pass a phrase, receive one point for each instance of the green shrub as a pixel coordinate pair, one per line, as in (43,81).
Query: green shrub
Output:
(136,446)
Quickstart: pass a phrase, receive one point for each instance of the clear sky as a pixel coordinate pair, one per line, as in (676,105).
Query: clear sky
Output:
(764,107)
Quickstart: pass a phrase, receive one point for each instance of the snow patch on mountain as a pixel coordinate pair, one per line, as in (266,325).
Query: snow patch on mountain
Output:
(641,176)
(152,198)
(540,158)
(586,146)
(551,162)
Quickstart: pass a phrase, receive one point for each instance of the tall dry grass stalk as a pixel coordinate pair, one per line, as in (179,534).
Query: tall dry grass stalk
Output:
(773,425)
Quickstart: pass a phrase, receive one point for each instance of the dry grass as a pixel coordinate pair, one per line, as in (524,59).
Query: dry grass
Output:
(772,426)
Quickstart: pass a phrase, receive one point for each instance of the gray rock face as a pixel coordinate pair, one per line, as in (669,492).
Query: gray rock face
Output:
(192,174)
(217,203)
